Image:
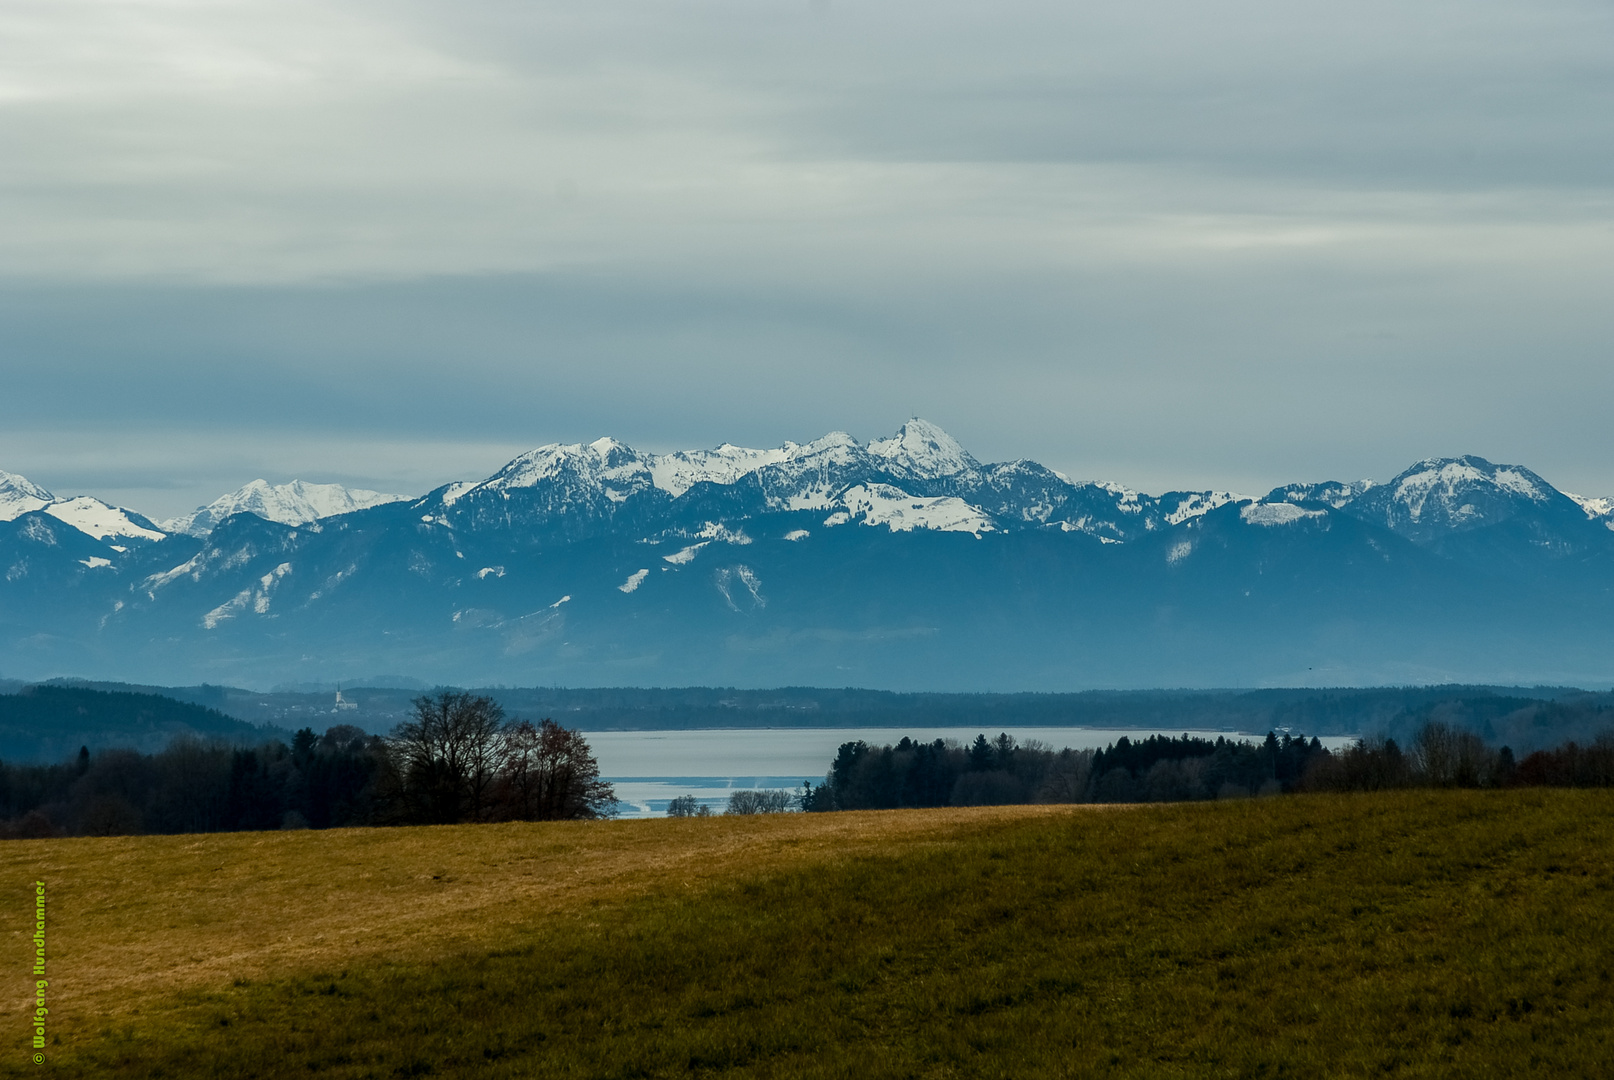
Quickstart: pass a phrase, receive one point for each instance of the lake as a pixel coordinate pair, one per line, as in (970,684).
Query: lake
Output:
(650,768)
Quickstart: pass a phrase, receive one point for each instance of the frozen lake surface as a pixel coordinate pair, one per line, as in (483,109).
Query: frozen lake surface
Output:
(649,768)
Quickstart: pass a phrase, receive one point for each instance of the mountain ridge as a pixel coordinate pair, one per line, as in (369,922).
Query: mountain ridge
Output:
(815,476)
(295,503)
(902,562)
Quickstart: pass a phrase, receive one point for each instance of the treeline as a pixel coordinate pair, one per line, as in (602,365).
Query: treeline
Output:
(1166,769)
(457,760)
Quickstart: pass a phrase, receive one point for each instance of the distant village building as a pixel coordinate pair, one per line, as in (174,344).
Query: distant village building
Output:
(342,704)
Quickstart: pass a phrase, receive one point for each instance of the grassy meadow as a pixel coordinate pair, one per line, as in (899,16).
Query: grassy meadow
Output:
(1409,933)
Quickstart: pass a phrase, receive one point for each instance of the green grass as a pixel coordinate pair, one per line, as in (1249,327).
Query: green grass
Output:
(1400,934)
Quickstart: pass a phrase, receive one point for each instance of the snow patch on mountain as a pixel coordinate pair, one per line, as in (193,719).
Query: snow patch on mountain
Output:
(713,530)
(451,492)
(635,579)
(296,503)
(1083,525)
(266,585)
(19,496)
(1273,514)
(190,568)
(1332,492)
(98,519)
(819,497)
(677,472)
(679,558)
(725,577)
(882,504)
(1193,504)
(257,599)
(227,610)
(1595,508)
(39,532)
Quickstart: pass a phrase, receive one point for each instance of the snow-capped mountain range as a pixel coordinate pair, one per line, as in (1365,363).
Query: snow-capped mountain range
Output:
(899,561)
(920,478)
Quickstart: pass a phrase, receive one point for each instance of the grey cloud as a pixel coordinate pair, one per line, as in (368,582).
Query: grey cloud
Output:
(1165,243)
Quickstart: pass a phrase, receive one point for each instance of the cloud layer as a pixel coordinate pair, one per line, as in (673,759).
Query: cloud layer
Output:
(1165,243)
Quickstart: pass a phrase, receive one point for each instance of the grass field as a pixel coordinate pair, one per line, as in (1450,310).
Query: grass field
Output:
(1401,934)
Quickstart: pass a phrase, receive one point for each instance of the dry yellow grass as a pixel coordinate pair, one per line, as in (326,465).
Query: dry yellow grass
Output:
(132,919)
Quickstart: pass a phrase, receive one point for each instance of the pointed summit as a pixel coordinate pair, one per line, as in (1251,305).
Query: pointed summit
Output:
(923,449)
(19,496)
(605,462)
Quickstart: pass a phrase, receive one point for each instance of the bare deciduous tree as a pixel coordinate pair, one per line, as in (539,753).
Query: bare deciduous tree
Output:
(683,806)
(549,774)
(1450,757)
(449,756)
(758,802)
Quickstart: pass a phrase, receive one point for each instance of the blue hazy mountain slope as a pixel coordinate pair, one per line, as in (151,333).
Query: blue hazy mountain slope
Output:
(903,562)
(50,723)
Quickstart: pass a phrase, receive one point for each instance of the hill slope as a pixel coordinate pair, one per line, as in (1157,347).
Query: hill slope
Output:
(50,723)
(1428,933)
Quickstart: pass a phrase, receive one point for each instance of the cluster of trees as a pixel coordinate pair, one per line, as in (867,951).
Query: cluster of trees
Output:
(459,760)
(1443,755)
(770,801)
(1003,771)
(1165,769)
(456,760)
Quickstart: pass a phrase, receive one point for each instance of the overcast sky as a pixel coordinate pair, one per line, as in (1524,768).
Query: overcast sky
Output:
(1169,244)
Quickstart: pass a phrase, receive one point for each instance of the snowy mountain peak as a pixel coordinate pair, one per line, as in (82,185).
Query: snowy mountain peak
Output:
(1443,495)
(1439,485)
(837,444)
(923,449)
(607,448)
(19,496)
(557,459)
(103,521)
(603,468)
(296,503)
